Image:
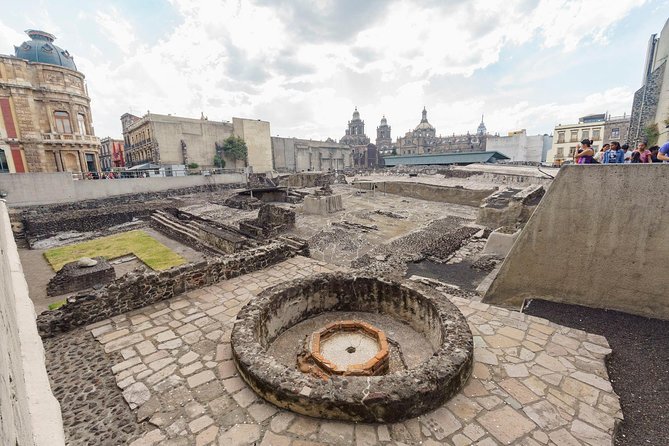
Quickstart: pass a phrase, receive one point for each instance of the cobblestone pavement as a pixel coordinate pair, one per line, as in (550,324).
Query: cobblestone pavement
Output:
(534,382)
(94,411)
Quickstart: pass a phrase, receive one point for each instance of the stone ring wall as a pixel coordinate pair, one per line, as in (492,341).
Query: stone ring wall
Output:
(388,398)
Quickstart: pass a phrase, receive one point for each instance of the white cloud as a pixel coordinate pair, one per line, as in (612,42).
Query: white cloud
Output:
(304,65)
(117,29)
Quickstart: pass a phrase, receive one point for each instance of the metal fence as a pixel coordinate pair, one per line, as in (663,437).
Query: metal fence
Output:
(160,172)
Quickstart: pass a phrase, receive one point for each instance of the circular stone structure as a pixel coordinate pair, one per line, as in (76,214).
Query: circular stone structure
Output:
(387,398)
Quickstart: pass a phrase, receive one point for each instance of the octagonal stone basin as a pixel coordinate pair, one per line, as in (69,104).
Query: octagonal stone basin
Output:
(387,398)
(351,348)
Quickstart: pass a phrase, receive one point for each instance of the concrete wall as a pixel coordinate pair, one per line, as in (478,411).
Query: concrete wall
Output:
(521,147)
(299,155)
(428,192)
(29,412)
(598,238)
(256,134)
(46,188)
(199,135)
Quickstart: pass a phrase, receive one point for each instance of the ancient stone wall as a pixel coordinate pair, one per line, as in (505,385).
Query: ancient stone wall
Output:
(29,412)
(74,277)
(644,107)
(428,192)
(272,220)
(44,220)
(509,207)
(139,289)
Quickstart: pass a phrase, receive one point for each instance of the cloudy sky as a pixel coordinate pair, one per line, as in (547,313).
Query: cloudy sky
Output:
(304,64)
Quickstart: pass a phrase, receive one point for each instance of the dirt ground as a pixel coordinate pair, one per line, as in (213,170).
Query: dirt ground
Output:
(336,239)
(638,367)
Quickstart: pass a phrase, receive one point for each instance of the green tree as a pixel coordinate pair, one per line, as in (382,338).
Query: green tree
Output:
(652,134)
(235,148)
(219,161)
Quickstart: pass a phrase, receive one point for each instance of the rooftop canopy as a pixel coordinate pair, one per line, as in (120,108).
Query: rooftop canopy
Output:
(445,158)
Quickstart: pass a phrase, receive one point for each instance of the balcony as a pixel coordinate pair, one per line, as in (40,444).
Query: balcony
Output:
(68,138)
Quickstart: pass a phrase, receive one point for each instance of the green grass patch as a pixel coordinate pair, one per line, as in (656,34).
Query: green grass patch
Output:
(57,305)
(147,249)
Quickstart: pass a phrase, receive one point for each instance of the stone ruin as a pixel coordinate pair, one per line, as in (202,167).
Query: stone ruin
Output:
(349,369)
(79,275)
(323,202)
(271,221)
(200,233)
(509,206)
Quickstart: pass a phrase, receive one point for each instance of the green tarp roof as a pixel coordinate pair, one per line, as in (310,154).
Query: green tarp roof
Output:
(445,158)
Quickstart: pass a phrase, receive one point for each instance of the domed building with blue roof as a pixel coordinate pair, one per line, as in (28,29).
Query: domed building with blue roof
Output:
(40,48)
(45,115)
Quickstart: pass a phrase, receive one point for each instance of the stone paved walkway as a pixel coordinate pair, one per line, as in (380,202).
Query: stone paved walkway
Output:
(534,382)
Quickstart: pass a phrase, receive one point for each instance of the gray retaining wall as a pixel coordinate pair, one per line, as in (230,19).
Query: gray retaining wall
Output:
(599,238)
(29,412)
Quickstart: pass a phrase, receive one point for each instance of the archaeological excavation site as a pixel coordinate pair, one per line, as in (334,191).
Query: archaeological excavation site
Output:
(405,306)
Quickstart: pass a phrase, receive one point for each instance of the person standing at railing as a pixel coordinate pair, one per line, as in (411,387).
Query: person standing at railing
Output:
(615,154)
(663,153)
(585,154)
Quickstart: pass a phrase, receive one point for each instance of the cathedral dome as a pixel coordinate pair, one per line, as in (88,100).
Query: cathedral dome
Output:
(356,115)
(424,125)
(41,49)
(384,121)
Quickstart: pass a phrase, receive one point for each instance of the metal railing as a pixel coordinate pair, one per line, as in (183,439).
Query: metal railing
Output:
(162,172)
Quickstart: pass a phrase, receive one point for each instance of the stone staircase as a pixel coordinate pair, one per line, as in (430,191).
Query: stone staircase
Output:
(175,228)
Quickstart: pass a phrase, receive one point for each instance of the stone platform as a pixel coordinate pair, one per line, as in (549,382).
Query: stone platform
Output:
(534,382)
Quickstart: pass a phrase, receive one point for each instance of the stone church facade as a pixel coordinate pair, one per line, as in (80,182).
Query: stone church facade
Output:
(423,139)
(364,153)
(45,114)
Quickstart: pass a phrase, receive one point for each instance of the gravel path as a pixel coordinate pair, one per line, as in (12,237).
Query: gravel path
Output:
(638,367)
(94,411)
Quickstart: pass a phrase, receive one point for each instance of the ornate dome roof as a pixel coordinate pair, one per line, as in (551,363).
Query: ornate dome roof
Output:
(356,115)
(384,121)
(424,125)
(41,49)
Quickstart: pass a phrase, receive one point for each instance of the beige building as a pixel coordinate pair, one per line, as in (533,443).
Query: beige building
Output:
(45,115)
(600,128)
(173,140)
(567,137)
(298,155)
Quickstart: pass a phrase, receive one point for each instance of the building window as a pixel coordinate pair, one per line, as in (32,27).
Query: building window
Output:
(586,134)
(4,166)
(560,153)
(63,124)
(596,135)
(572,151)
(574,136)
(560,137)
(615,133)
(90,162)
(81,122)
